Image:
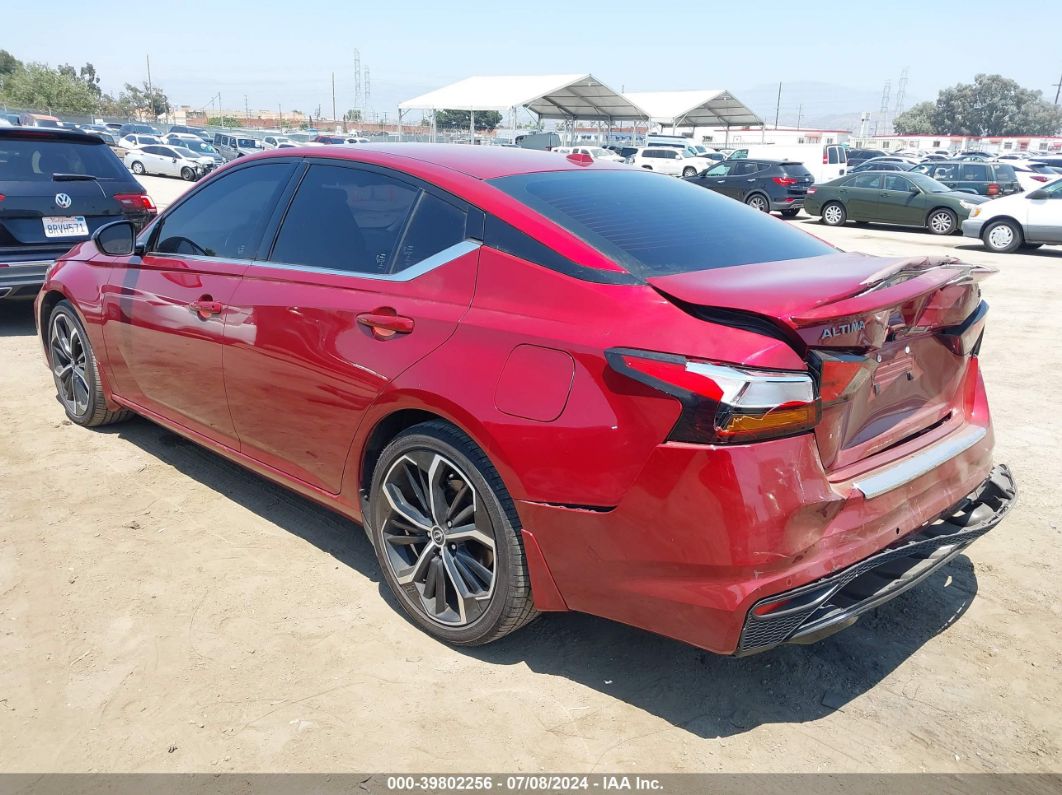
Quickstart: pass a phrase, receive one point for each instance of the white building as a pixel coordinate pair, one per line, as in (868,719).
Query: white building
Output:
(997,145)
(734,136)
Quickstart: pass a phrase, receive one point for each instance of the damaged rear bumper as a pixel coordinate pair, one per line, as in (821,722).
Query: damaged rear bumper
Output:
(814,611)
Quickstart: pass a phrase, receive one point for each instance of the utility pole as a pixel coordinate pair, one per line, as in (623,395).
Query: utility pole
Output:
(357,80)
(148,58)
(777,106)
(246,108)
(800,114)
(333,96)
(883,112)
(1058,88)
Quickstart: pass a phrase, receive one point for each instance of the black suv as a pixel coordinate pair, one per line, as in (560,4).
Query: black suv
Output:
(857,156)
(767,185)
(988,179)
(58,187)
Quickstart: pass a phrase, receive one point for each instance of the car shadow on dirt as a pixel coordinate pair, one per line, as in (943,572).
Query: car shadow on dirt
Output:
(706,694)
(16,319)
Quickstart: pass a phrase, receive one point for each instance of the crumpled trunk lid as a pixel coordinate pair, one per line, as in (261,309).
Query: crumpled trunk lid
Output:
(897,332)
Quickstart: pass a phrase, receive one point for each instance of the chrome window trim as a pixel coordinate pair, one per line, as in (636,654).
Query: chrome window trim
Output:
(920,463)
(409,274)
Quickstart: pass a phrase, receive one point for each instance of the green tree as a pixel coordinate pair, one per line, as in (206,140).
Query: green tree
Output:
(38,86)
(916,120)
(459,119)
(8,63)
(990,105)
(146,101)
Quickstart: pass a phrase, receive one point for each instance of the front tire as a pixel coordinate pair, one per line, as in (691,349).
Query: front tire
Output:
(1002,237)
(689,171)
(187,175)
(447,537)
(942,222)
(76,371)
(137,168)
(834,214)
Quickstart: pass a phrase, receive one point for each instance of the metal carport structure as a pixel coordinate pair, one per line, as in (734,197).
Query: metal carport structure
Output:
(703,108)
(560,97)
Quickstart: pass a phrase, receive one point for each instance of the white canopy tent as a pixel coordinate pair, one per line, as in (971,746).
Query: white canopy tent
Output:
(704,108)
(563,97)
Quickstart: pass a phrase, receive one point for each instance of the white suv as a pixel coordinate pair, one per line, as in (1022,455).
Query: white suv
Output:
(1021,220)
(669,160)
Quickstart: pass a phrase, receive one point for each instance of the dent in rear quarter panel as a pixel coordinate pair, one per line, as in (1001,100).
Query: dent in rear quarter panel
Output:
(592,452)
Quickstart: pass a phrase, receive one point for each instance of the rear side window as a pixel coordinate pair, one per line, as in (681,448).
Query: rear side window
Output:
(226,218)
(436,225)
(345,219)
(865,180)
(654,226)
(37,159)
(974,172)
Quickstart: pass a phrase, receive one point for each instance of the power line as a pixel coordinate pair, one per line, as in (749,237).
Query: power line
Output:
(900,92)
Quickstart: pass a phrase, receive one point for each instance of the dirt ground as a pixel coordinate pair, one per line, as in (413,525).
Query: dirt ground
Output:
(164,610)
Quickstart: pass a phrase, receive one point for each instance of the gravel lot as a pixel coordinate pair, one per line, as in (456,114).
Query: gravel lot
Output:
(164,610)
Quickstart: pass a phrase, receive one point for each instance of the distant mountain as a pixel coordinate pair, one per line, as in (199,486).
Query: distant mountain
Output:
(825,105)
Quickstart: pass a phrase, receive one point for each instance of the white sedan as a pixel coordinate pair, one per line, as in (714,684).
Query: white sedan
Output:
(593,152)
(137,141)
(168,161)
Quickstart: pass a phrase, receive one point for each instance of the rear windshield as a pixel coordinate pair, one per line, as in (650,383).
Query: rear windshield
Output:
(37,159)
(795,169)
(654,225)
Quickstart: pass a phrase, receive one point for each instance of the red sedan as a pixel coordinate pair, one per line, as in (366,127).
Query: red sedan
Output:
(546,384)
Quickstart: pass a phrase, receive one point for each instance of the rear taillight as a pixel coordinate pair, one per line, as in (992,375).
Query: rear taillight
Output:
(993,189)
(787,181)
(1036,177)
(136,201)
(722,404)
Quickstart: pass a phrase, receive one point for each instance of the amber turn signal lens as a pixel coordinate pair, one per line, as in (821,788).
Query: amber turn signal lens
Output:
(776,422)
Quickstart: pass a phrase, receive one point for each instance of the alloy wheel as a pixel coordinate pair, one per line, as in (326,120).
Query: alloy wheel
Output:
(69,361)
(832,214)
(940,223)
(439,541)
(1000,237)
(757,202)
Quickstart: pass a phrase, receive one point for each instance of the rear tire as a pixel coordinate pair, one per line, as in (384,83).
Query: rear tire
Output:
(689,171)
(834,214)
(942,222)
(790,213)
(1002,237)
(447,537)
(137,168)
(76,371)
(757,201)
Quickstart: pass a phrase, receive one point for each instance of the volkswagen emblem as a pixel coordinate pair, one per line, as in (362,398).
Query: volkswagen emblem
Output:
(62,201)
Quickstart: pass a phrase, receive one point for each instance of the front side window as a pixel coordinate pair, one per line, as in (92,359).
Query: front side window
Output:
(721,170)
(894,182)
(226,218)
(345,219)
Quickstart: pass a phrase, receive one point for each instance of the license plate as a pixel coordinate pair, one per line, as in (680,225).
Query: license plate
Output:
(65,226)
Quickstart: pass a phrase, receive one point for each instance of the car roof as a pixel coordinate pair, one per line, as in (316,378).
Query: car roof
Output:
(479,162)
(51,133)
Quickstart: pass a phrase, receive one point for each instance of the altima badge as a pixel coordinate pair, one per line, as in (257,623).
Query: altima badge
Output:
(845,328)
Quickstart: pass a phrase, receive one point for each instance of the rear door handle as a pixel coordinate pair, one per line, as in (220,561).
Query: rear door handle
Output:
(205,307)
(385,323)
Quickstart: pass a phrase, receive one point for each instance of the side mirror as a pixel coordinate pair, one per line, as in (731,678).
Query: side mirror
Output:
(1038,194)
(117,239)
(915,190)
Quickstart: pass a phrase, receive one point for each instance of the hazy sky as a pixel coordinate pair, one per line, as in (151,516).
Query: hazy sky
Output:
(284,52)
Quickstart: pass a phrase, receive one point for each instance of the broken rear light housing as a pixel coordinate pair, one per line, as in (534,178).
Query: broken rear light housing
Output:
(722,403)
